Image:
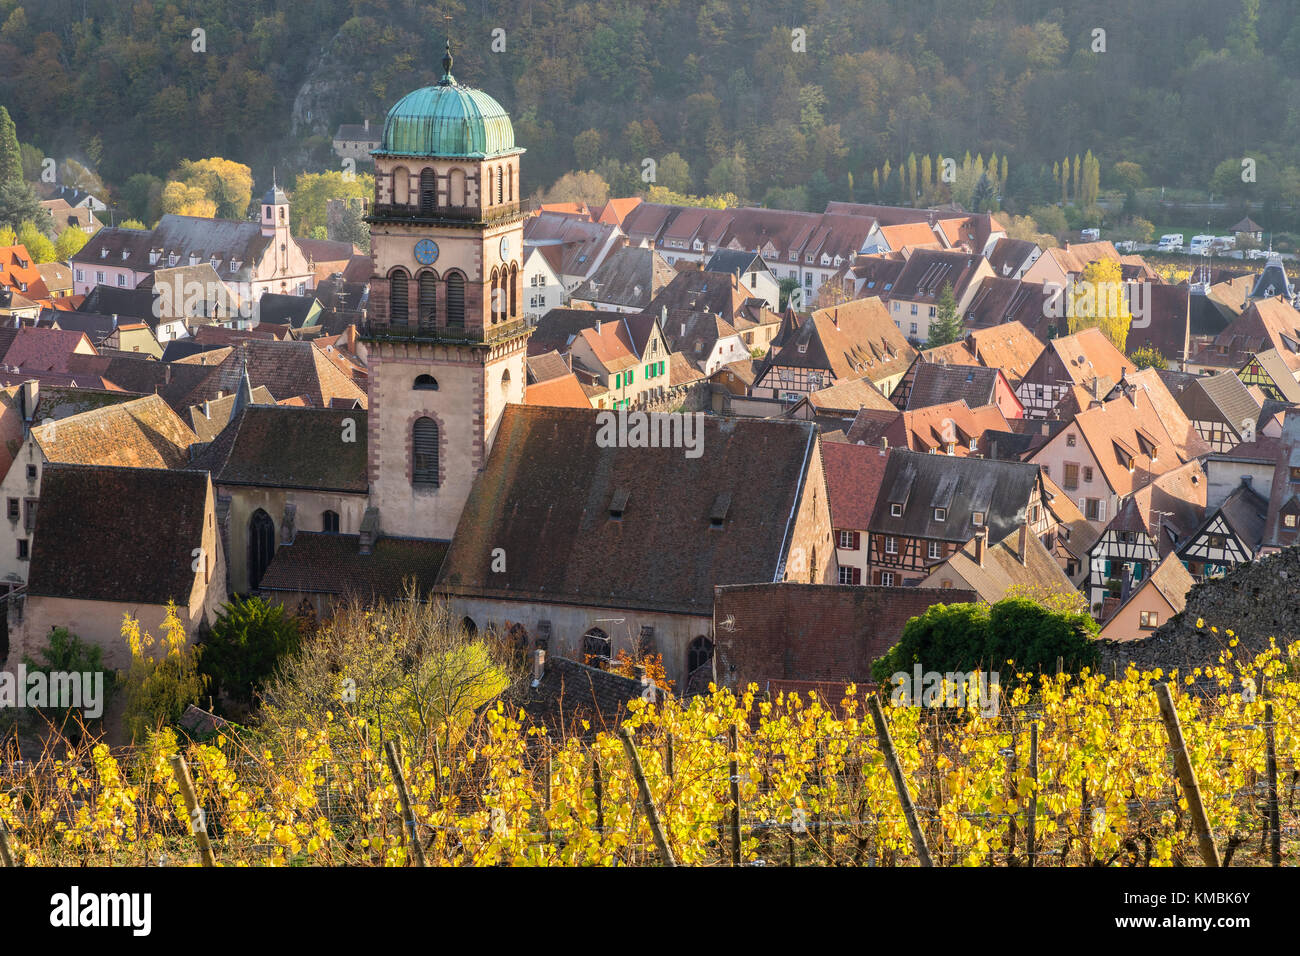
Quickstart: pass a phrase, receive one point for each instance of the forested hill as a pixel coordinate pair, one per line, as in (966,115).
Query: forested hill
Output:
(1180,86)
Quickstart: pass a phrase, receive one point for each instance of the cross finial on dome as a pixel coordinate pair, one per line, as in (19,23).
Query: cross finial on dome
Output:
(447,78)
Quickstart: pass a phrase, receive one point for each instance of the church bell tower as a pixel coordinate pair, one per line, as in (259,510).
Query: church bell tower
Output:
(446,339)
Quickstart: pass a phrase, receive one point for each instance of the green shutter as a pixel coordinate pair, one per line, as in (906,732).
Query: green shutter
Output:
(629,376)
(618,380)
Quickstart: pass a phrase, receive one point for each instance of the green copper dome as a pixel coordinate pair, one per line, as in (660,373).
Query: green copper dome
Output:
(447,120)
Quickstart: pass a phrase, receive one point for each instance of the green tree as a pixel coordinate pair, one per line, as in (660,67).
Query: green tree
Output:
(69,243)
(1148,357)
(586,148)
(66,653)
(586,187)
(163,678)
(18,204)
(248,640)
(37,243)
(313,191)
(142,196)
(673,173)
(946,327)
(33,162)
(729,175)
(11,159)
(1021,630)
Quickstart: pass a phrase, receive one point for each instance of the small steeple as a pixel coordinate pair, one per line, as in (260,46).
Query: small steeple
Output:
(244,393)
(447,78)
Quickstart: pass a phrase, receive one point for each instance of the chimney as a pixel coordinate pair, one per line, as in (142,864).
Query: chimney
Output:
(1022,546)
(539,665)
(1246,480)
(366,125)
(981,541)
(1126,583)
(167,374)
(638,673)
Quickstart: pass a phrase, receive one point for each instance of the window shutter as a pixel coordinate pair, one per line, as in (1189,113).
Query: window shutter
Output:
(857,540)
(398,312)
(455,301)
(428,301)
(424,449)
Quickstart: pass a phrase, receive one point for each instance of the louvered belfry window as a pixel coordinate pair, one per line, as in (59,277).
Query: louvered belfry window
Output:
(428,190)
(428,301)
(424,446)
(456,301)
(398,294)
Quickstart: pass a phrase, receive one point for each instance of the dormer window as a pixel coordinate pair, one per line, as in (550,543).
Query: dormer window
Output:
(895,510)
(940,514)
(235,264)
(718,512)
(126,254)
(172,259)
(977,518)
(618,504)
(103,252)
(153,257)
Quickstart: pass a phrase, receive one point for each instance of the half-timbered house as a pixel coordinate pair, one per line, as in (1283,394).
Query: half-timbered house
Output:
(930,506)
(1221,409)
(1231,535)
(1087,359)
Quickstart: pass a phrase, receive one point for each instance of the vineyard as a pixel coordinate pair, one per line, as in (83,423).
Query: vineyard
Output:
(1073,770)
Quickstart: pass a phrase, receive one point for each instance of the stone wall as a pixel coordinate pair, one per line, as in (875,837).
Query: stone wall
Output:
(1256,601)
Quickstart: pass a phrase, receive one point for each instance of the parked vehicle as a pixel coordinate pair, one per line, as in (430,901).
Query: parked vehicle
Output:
(1200,245)
(1171,242)
(1090,235)
(1125,245)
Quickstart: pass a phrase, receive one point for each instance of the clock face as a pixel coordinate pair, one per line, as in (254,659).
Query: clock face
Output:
(505,247)
(426,252)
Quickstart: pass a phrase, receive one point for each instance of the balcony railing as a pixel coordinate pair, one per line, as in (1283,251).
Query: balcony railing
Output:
(380,331)
(453,215)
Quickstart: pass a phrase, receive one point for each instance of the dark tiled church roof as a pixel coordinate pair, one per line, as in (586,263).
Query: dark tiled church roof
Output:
(333,564)
(286,447)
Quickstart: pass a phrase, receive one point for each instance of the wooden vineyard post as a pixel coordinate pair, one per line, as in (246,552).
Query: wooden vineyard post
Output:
(6,854)
(600,797)
(198,825)
(733,768)
(404,798)
(1031,814)
(548,800)
(651,813)
(1191,789)
(900,784)
(1013,767)
(670,759)
(1274,818)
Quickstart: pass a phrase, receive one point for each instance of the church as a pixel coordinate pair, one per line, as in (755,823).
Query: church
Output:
(517,513)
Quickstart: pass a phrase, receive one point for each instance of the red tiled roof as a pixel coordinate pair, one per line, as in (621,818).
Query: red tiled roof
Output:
(853,475)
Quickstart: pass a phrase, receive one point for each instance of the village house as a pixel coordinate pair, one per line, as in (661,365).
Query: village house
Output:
(1273,372)
(137,563)
(605,549)
(1109,451)
(1009,347)
(356,141)
(853,476)
(992,570)
(251,257)
(543,287)
(933,383)
(1265,324)
(582,245)
(143,433)
(914,299)
(1157,519)
(627,281)
(1086,359)
(1232,534)
(953,428)
(930,506)
(1152,603)
(752,272)
(1222,410)
(856,340)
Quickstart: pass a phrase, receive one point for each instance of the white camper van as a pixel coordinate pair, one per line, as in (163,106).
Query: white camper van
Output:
(1090,235)
(1171,242)
(1200,245)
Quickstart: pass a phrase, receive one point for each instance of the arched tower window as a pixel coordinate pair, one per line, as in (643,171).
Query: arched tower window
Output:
(401,186)
(428,301)
(426,383)
(699,665)
(505,383)
(424,450)
(455,301)
(510,183)
(596,648)
(514,291)
(456,187)
(261,546)
(496,298)
(398,295)
(501,185)
(428,190)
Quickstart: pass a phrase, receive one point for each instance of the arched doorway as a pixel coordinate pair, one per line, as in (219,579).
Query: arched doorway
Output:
(596,648)
(471,629)
(699,665)
(261,546)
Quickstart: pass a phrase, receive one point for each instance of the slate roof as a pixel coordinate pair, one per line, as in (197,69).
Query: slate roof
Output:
(870,425)
(291,310)
(1223,393)
(174,382)
(569,693)
(628,277)
(853,476)
(286,368)
(1265,324)
(124,303)
(922,482)
(552,512)
(285,447)
(937,384)
(320,563)
(44,350)
(1246,512)
(928,270)
(546,366)
(210,418)
(1003,567)
(135,558)
(1009,256)
(556,330)
(141,433)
